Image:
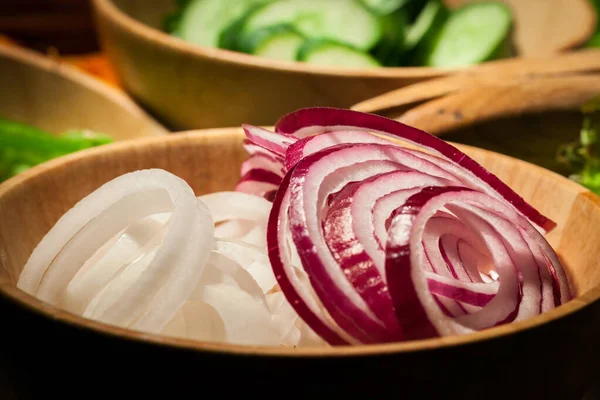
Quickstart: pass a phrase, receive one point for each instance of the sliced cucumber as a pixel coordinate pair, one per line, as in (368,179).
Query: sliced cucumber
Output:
(413,8)
(332,54)
(172,20)
(428,21)
(279,42)
(202,21)
(383,7)
(390,49)
(231,37)
(344,21)
(473,34)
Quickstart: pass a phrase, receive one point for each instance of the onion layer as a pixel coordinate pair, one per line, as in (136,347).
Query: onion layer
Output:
(142,252)
(398,243)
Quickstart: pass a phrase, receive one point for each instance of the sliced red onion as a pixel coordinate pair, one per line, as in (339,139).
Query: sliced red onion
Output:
(312,144)
(343,190)
(313,121)
(264,162)
(334,168)
(254,149)
(259,182)
(293,284)
(266,139)
(522,288)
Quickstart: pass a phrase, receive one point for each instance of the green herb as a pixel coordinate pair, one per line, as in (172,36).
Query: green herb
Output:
(23,146)
(583,157)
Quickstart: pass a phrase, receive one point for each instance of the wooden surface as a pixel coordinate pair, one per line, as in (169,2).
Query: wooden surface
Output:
(526,354)
(497,73)
(547,26)
(56,97)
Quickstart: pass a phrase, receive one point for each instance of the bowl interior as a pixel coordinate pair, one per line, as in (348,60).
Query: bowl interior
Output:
(44,93)
(209,161)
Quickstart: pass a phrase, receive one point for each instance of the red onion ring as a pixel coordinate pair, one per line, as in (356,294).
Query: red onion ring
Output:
(313,121)
(349,205)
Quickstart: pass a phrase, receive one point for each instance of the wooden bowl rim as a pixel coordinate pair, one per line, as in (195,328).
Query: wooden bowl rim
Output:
(134,27)
(45,310)
(51,66)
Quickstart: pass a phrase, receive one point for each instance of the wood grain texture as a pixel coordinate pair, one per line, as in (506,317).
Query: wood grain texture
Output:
(56,97)
(496,73)
(525,354)
(547,26)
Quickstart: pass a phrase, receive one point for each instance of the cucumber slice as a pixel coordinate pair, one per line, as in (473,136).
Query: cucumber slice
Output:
(332,54)
(471,35)
(383,7)
(171,21)
(344,21)
(279,42)
(231,37)
(202,21)
(390,49)
(429,20)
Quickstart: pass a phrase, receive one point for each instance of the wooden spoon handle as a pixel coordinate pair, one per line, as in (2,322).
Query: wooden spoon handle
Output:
(492,101)
(497,72)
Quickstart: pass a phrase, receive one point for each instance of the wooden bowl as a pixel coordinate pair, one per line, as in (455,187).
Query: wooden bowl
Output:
(192,87)
(551,356)
(56,97)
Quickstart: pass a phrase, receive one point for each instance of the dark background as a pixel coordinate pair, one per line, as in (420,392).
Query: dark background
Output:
(65,26)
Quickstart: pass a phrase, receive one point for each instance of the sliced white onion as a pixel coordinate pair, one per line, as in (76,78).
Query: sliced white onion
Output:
(253,258)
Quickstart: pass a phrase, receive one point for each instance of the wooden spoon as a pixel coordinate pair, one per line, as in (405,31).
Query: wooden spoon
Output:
(503,99)
(497,72)
(547,26)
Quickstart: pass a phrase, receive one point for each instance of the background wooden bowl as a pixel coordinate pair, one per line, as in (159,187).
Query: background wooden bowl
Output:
(551,356)
(190,86)
(56,97)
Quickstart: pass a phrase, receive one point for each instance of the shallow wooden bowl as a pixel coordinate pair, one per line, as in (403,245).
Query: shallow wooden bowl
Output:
(192,86)
(551,356)
(56,97)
